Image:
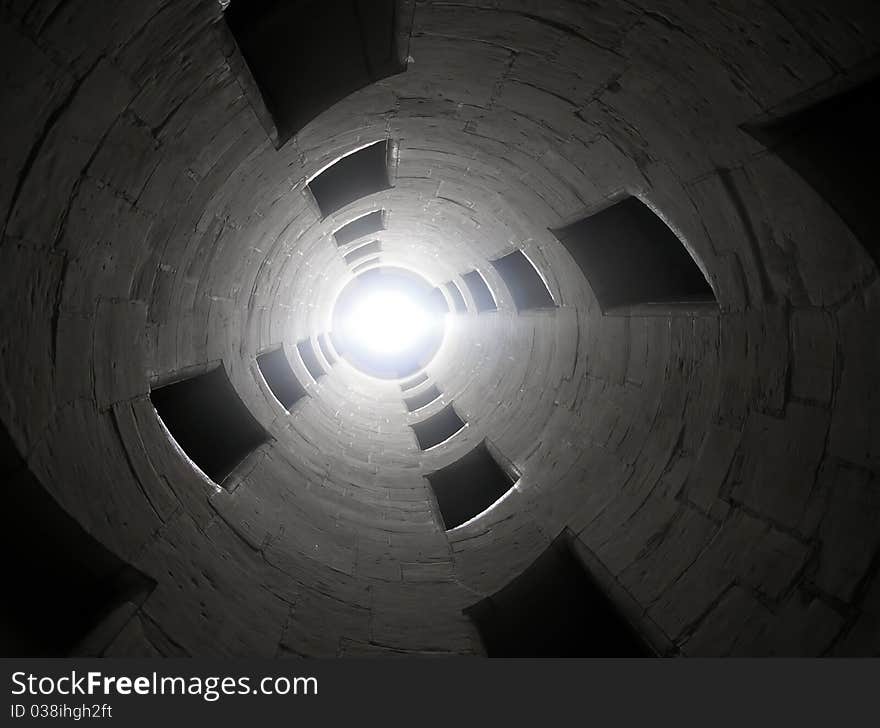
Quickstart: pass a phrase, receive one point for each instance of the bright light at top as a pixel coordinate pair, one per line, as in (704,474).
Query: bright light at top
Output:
(388,322)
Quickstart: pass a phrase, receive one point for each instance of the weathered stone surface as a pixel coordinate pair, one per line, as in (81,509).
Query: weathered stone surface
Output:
(132,641)
(31,88)
(812,373)
(118,360)
(706,480)
(318,624)
(398,623)
(155,487)
(804,627)
(65,152)
(670,556)
(731,627)
(754,348)
(812,256)
(77,438)
(745,550)
(29,281)
(205,598)
(779,462)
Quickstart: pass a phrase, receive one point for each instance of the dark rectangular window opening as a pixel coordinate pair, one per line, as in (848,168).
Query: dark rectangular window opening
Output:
(423,398)
(306,56)
(479,289)
(414,381)
(277,372)
(60,584)
(352,177)
(326,350)
(363,251)
(457,299)
(631,257)
(524,282)
(310,359)
(438,427)
(206,417)
(368,224)
(469,486)
(832,144)
(554,609)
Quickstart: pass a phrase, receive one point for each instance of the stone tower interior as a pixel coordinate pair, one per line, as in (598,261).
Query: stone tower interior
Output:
(643,415)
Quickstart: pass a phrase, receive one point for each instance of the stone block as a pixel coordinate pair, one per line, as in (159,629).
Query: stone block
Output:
(812,371)
(118,352)
(730,628)
(778,462)
(66,151)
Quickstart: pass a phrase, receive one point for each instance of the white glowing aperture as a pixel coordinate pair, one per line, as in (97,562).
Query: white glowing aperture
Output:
(387,322)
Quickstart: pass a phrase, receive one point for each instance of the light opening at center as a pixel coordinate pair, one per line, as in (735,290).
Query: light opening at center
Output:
(387,322)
